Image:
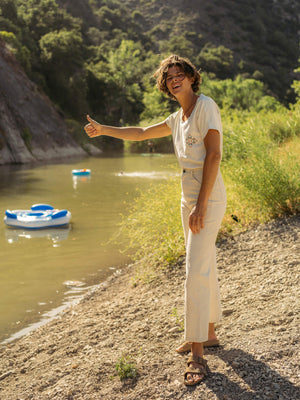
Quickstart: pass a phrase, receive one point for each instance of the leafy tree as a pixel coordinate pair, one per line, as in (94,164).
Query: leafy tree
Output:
(125,68)
(43,16)
(62,61)
(156,104)
(178,45)
(8,9)
(21,52)
(62,48)
(217,60)
(9,21)
(240,94)
(296,85)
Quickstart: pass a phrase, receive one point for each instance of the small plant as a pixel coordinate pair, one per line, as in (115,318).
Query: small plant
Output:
(126,368)
(179,320)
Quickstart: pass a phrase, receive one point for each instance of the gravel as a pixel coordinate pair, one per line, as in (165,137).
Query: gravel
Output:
(75,355)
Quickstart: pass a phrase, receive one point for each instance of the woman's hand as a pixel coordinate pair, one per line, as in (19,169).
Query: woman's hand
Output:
(196,219)
(92,129)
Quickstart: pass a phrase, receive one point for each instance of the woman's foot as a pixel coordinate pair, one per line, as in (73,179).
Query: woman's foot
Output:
(184,347)
(197,367)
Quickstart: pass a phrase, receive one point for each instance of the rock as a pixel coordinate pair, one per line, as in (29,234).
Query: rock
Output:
(6,374)
(227,312)
(31,129)
(174,329)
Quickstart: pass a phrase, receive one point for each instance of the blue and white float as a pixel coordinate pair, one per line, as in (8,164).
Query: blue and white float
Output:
(38,217)
(81,172)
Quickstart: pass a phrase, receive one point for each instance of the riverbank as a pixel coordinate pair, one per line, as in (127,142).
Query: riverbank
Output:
(74,356)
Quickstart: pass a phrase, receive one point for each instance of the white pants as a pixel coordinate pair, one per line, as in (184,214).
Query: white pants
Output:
(202,295)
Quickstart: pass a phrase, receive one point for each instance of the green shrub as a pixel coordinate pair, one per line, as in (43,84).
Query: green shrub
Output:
(126,368)
(266,183)
(282,128)
(179,320)
(153,228)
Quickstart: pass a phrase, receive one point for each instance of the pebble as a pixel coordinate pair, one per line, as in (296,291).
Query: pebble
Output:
(174,329)
(6,374)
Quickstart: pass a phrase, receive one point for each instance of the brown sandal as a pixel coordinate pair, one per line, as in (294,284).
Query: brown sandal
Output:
(201,370)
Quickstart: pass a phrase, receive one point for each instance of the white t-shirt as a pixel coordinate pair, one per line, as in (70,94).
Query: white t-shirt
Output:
(188,136)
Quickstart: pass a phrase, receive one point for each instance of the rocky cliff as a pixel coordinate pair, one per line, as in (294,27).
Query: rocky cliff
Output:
(31,129)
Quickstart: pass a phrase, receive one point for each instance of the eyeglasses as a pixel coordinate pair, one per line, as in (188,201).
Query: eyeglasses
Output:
(178,77)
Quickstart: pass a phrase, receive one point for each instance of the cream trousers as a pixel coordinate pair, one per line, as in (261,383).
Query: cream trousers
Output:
(202,294)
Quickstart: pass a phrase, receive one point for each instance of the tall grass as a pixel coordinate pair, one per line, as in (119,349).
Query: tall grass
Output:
(261,178)
(153,228)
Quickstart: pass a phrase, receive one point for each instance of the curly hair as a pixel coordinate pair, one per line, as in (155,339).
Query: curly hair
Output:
(187,67)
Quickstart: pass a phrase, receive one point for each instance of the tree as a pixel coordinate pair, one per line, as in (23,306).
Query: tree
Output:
(241,94)
(216,59)
(43,16)
(62,61)
(125,68)
(62,48)
(296,85)
(21,53)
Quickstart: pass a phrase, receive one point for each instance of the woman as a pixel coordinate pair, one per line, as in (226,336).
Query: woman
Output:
(197,136)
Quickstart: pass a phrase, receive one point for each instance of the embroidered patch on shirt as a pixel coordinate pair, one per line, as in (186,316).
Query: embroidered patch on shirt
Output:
(190,141)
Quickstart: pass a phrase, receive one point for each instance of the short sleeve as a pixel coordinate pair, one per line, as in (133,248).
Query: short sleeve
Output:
(211,118)
(170,120)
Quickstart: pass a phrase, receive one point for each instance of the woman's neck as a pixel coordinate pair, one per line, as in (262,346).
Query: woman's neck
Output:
(188,104)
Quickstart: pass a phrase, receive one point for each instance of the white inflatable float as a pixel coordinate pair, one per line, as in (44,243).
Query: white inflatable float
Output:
(38,217)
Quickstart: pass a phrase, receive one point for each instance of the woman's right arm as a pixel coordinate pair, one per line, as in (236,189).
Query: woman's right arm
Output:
(93,129)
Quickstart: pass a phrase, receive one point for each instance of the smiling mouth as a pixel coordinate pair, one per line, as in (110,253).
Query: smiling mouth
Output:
(176,86)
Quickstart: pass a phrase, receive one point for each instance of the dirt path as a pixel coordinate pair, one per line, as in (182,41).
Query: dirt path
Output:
(74,356)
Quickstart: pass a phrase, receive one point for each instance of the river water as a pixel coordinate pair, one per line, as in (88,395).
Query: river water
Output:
(43,271)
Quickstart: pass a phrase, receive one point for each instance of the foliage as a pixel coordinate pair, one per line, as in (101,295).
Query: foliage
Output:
(123,71)
(97,56)
(126,368)
(62,45)
(296,85)
(259,178)
(21,52)
(43,16)
(179,321)
(156,104)
(156,215)
(240,93)
(217,60)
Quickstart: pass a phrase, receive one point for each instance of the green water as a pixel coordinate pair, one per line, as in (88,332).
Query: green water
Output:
(43,271)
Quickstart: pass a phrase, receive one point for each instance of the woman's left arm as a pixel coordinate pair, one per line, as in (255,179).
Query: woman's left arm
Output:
(210,170)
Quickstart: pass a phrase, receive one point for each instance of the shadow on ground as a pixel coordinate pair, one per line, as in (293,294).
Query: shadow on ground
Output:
(259,380)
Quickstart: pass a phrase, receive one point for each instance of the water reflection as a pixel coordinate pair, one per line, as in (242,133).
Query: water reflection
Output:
(77,179)
(54,234)
(147,175)
(72,297)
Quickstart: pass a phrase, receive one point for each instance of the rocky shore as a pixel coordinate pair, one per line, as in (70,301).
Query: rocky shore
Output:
(75,356)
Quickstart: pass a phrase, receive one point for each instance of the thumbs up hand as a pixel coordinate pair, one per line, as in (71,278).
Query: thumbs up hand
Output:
(93,128)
